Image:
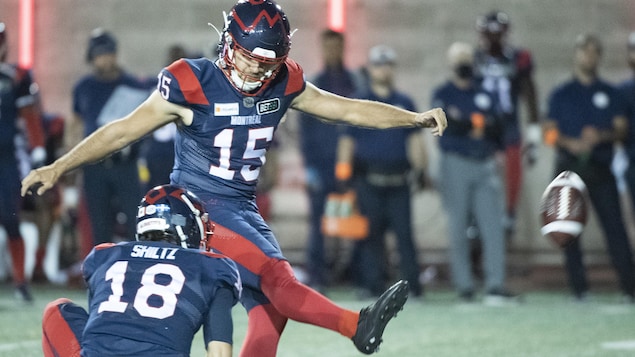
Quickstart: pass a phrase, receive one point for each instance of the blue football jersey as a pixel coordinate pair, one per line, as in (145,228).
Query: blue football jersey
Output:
(222,151)
(150,298)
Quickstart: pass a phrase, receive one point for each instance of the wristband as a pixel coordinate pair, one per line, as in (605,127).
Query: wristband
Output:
(534,132)
(343,171)
(478,120)
(551,136)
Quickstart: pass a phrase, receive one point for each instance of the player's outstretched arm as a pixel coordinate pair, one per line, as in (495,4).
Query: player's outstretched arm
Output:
(151,114)
(219,349)
(332,107)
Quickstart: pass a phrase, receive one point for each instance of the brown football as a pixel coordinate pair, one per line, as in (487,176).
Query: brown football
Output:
(563,209)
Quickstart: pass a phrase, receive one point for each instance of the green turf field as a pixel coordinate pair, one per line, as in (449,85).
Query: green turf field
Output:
(547,324)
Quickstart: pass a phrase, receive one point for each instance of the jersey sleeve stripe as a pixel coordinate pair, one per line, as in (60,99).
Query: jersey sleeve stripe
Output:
(189,83)
(296,77)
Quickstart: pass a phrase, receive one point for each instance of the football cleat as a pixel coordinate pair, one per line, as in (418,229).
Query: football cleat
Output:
(23,293)
(374,318)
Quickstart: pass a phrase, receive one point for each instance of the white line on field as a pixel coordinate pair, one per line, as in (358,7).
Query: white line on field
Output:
(619,345)
(16,345)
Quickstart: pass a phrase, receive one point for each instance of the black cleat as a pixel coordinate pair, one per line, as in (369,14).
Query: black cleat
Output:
(374,318)
(23,293)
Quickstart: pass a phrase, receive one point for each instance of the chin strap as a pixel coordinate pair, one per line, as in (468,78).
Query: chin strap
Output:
(241,84)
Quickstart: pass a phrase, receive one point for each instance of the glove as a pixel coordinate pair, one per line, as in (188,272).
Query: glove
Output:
(530,151)
(38,157)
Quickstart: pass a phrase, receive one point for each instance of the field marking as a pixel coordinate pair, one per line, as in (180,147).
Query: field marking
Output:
(619,345)
(16,345)
(616,309)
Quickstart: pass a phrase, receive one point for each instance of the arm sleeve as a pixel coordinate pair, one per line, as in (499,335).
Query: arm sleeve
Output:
(218,325)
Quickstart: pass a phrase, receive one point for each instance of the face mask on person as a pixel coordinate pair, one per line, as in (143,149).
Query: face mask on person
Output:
(464,71)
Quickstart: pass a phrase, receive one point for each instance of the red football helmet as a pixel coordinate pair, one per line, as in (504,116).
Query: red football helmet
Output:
(260,31)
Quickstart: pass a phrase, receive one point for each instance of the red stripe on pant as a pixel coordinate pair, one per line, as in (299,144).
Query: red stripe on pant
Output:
(289,297)
(513,176)
(58,340)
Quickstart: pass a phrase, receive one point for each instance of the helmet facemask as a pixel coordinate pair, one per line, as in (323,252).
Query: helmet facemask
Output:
(249,84)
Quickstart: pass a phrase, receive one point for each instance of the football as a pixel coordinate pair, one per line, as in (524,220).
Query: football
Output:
(563,209)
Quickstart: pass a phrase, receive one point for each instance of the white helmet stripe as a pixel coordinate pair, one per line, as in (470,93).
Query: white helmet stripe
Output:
(197,214)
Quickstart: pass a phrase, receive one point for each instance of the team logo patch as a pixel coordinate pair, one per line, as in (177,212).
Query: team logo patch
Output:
(268,106)
(482,101)
(601,100)
(225,109)
(248,102)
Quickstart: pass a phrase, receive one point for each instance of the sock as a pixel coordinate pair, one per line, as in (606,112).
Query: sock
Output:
(16,247)
(38,272)
(301,303)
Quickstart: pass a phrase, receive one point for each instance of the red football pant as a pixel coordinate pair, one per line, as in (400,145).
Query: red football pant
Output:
(289,298)
(58,339)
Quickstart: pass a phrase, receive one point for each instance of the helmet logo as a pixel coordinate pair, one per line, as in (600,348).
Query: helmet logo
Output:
(263,14)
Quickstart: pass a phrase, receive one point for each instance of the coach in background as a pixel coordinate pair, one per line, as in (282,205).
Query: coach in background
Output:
(382,162)
(18,103)
(472,186)
(318,143)
(586,117)
(111,186)
(627,88)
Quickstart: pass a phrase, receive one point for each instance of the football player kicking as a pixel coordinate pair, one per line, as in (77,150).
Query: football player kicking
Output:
(227,111)
(149,297)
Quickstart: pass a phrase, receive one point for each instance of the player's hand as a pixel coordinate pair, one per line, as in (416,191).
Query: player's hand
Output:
(433,118)
(40,180)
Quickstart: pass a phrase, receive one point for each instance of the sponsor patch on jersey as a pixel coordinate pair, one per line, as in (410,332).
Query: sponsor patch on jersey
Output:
(225,109)
(245,119)
(268,106)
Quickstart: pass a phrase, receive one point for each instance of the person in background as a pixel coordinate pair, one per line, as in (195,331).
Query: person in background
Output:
(506,71)
(381,163)
(110,186)
(157,151)
(149,297)
(587,116)
(227,111)
(18,107)
(318,144)
(627,88)
(46,211)
(472,187)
